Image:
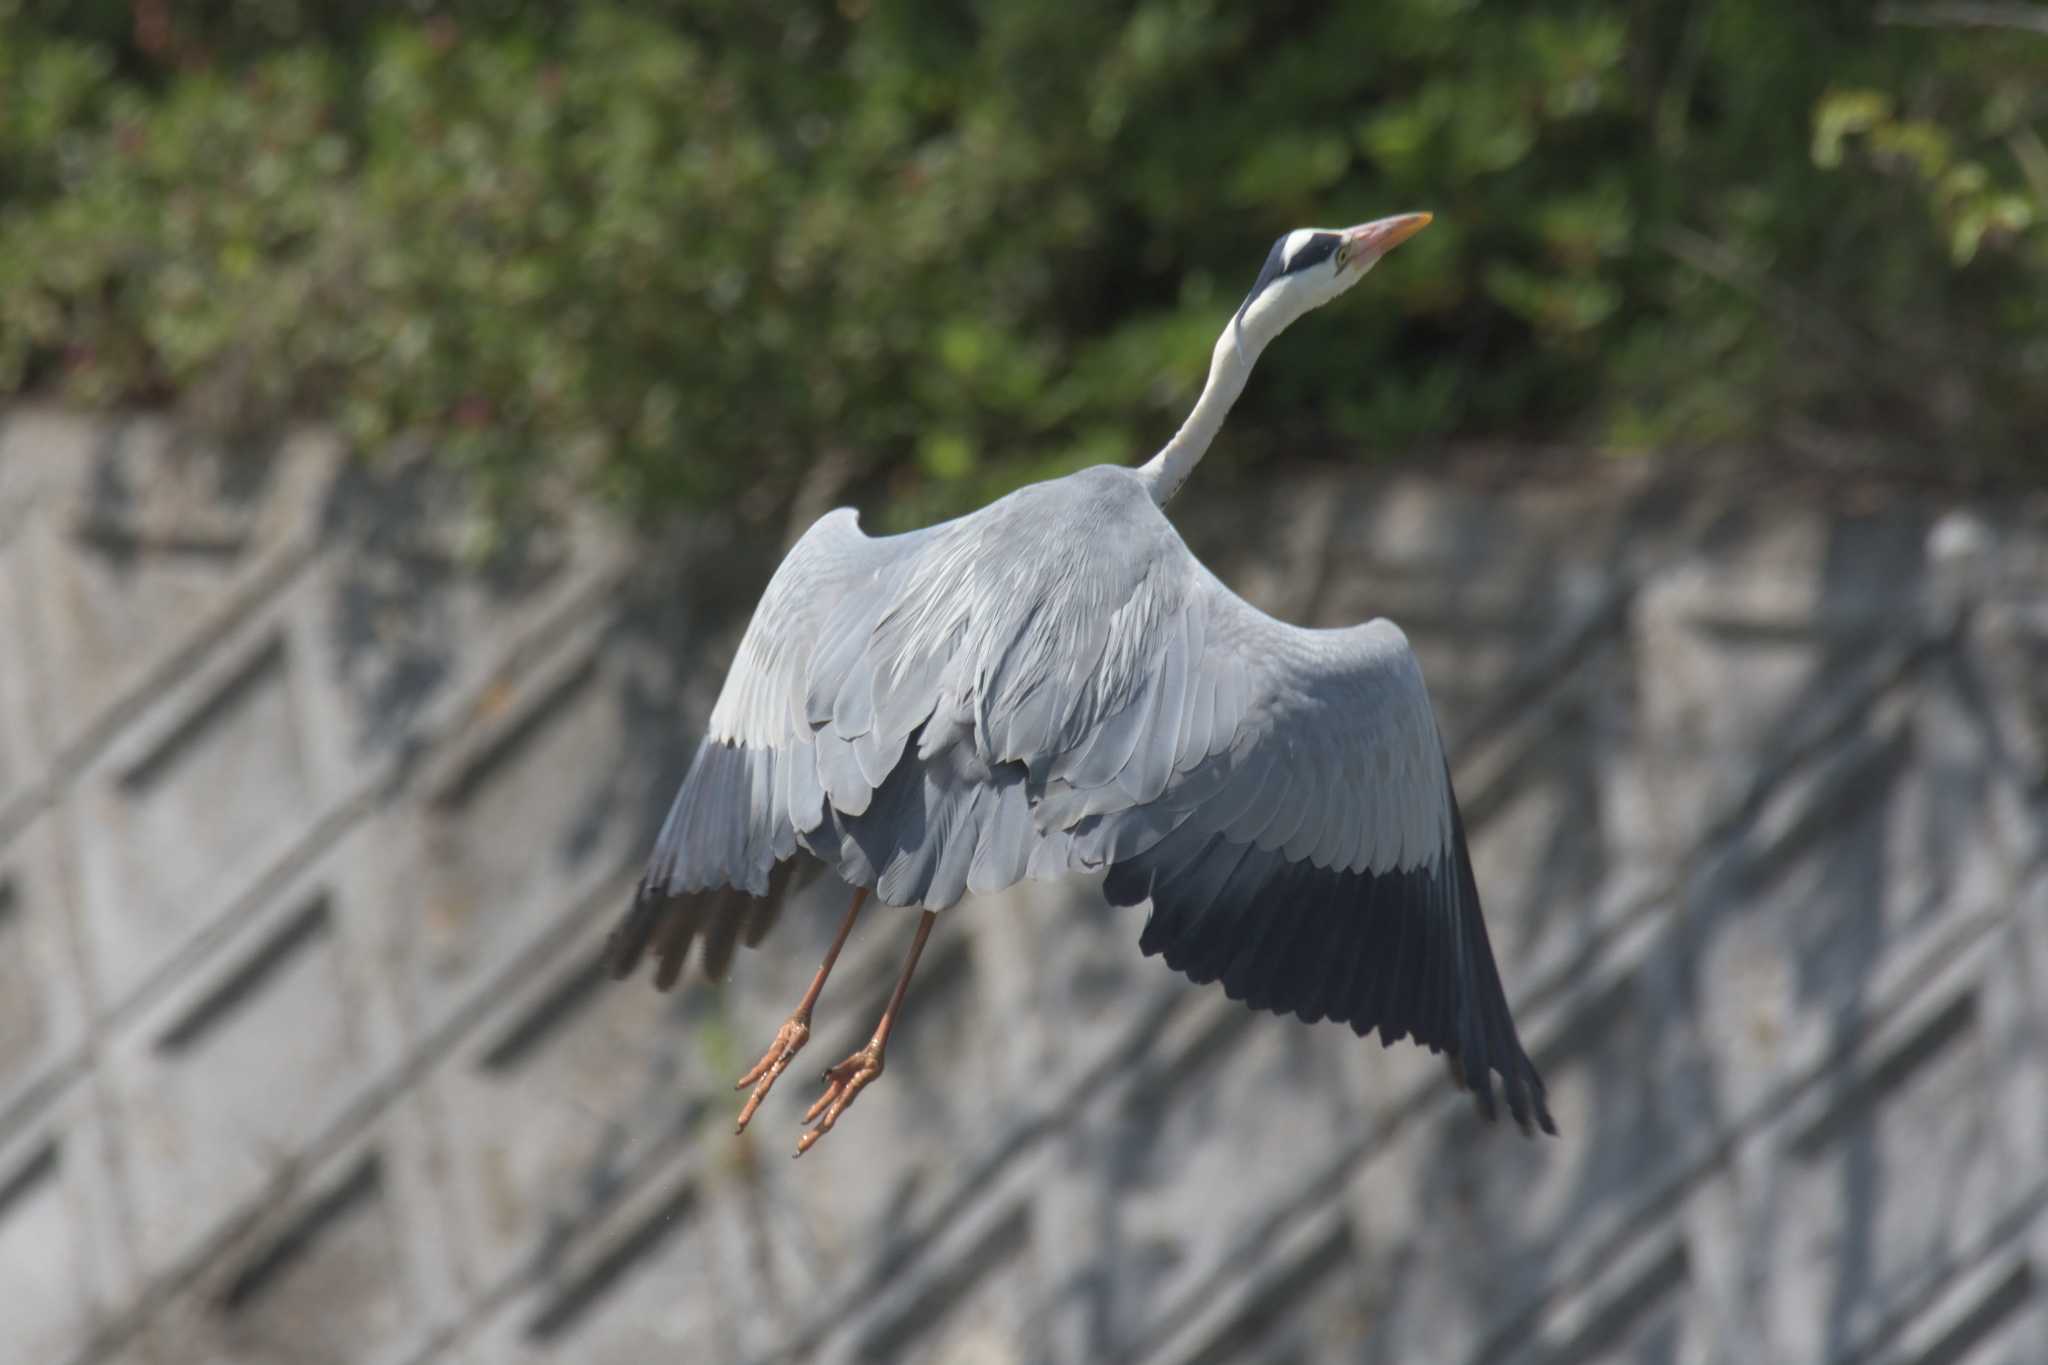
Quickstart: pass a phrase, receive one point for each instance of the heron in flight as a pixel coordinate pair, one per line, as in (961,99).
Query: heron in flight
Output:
(1054,684)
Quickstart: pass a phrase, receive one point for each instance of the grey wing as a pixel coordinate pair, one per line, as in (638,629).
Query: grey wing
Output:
(722,863)
(896,701)
(855,720)
(1305,848)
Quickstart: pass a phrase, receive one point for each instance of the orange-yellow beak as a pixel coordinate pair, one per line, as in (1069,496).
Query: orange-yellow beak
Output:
(1375,239)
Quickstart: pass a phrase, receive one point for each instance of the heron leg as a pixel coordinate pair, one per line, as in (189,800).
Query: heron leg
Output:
(795,1030)
(851,1076)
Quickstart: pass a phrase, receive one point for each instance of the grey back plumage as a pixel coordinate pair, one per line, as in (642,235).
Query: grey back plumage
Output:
(1055,684)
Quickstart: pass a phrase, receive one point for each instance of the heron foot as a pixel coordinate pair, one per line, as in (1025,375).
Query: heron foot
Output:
(789,1040)
(842,1083)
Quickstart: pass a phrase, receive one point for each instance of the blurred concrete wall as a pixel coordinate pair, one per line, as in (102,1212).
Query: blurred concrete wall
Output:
(308,836)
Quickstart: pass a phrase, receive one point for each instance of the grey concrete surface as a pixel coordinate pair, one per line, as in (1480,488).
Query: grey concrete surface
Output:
(309,834)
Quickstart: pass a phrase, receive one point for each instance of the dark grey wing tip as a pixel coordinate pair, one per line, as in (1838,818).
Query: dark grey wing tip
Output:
(667,925)
(628,942)
(1530,1106)
(1526,1102)
(1401,953)
(670,923)
(1487,1030)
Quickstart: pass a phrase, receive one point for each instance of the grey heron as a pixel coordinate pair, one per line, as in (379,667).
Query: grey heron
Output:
(1054,684)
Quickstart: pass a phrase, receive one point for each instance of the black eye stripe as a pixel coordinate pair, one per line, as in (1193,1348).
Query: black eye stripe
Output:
(1314,251)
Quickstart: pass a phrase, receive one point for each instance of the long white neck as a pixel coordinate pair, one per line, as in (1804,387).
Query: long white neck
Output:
(1229,368)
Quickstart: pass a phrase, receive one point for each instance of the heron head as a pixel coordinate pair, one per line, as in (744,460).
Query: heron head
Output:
(1310,266)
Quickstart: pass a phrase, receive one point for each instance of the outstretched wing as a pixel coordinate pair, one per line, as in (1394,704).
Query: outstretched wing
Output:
(1315,861)
(1054,684)
(720,871)
(892,700)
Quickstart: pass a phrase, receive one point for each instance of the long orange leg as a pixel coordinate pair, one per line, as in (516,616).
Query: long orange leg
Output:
(851,1076)
(796,1030)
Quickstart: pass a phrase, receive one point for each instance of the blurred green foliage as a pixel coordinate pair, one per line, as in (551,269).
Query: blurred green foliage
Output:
(689,252)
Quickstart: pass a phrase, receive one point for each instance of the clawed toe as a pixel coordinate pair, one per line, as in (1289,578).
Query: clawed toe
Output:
(789,1040)
(842,1083)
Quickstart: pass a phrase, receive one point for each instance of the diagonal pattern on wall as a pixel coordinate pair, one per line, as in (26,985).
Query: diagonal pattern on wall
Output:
(309,832)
